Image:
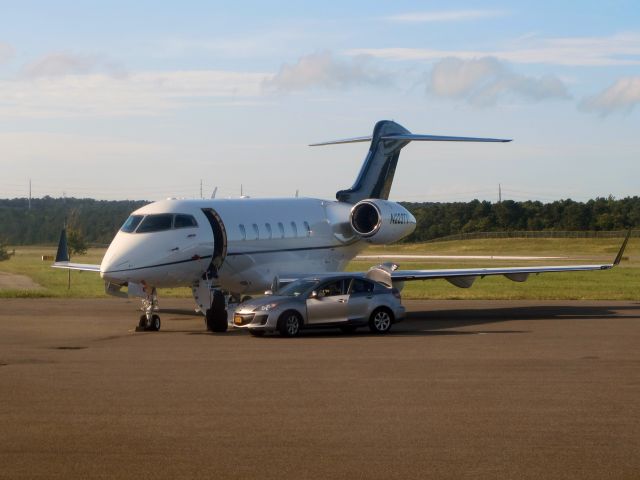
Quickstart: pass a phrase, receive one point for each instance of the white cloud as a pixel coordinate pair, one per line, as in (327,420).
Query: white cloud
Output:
(144,93)
(6,52)
(326,71)
(57,64)
(485,81)
(619,49)
(445,16)
(622,96)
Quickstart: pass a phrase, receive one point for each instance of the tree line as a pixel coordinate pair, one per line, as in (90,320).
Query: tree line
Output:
(436,220)
(97,221)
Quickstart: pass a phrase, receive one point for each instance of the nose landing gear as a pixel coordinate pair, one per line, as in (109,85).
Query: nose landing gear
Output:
(149,320)
(149,324)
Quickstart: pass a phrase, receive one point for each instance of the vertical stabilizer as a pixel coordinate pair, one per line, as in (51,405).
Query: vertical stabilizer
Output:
(379,167)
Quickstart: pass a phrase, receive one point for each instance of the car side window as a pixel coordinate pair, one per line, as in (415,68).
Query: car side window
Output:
(331,289)
(361,286)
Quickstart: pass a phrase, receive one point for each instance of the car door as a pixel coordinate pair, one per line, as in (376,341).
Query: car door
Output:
(360,299)
(330,303)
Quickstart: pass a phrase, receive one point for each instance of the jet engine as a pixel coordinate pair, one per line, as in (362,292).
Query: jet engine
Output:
(381,221)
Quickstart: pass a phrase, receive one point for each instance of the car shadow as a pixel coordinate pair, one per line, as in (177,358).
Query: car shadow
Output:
(455,321)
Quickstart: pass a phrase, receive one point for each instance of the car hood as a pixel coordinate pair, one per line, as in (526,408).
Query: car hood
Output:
(258,302)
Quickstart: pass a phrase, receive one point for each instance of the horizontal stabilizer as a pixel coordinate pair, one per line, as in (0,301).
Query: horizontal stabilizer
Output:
(440,138)
(411,137)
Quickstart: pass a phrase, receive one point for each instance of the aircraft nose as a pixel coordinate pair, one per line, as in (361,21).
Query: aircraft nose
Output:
(115,262)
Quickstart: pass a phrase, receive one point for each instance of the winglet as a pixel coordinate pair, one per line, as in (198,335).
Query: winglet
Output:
(621,252)
(62,255)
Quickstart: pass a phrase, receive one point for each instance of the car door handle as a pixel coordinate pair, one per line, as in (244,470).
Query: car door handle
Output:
(175,249)
(191,235)
(369,297)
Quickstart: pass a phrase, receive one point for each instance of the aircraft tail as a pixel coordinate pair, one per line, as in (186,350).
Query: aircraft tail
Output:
(379,167)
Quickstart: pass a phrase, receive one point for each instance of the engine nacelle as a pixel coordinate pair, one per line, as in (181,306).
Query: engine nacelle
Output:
(381,221)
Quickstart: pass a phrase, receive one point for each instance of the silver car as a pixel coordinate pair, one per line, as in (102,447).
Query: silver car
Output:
(347,301)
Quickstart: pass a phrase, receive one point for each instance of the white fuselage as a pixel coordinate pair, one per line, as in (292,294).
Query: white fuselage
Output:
(256,241)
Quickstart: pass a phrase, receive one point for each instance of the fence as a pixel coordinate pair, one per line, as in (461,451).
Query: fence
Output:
(536,234)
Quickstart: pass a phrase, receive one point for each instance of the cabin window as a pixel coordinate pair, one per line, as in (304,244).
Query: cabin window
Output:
(307,228)
(243,232)
(281,227)
(184,221)
(256,231)
(155,223)
(132,222)
(267,226)
(294,228)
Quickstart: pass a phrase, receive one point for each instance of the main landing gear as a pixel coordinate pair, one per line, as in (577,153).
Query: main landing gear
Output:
(216,317)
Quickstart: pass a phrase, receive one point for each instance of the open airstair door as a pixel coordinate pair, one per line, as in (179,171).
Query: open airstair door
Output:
(219,240)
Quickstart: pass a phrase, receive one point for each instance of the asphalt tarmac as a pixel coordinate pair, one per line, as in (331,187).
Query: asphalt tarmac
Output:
(482,389)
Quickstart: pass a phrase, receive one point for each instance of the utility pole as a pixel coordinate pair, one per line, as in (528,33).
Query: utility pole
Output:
(201,197)
(29,194)
(499,193)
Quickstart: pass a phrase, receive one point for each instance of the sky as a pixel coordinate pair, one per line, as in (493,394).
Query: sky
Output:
(148,100)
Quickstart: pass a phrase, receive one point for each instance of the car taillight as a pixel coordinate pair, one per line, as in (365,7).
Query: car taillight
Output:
(396,293)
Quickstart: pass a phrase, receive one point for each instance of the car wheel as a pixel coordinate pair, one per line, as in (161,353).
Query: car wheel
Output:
(257,333)
(381,320)
(290,324)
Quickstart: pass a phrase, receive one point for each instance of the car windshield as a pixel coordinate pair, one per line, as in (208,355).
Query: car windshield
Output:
(297,288)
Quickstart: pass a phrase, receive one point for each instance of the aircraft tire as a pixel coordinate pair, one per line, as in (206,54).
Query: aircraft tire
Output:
(155,323)
(217,321)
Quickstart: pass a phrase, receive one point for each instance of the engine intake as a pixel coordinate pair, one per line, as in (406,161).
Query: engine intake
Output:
(381,221)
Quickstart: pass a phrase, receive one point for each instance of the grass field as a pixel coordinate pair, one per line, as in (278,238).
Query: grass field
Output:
(621,283)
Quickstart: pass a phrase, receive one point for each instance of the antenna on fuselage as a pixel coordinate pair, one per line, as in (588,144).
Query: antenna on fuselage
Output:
(213,194)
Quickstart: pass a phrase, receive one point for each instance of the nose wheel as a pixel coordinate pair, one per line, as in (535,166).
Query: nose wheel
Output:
(149,320)
(151,324)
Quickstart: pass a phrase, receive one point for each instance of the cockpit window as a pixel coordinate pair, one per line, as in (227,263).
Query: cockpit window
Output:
(132,222)
(184,221)
(155,223)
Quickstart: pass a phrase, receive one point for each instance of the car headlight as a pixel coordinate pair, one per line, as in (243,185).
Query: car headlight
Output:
(267,307)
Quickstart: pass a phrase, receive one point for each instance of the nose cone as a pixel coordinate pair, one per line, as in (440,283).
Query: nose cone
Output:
(117,260)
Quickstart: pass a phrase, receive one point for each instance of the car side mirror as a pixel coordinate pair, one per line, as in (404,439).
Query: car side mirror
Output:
(268,292)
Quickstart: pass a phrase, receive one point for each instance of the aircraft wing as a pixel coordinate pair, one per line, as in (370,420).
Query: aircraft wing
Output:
(464,277)
(62,257)
(87,267)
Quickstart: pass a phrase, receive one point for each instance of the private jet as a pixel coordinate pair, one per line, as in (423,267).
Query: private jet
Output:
(226,249)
